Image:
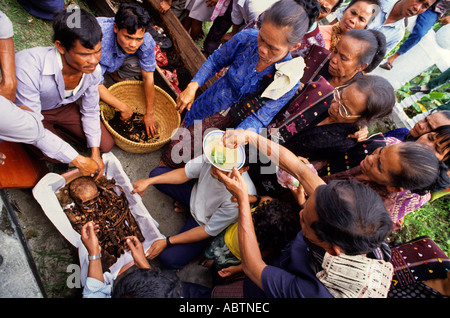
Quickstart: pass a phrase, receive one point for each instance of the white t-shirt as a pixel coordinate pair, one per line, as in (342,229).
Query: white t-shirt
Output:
(211,203)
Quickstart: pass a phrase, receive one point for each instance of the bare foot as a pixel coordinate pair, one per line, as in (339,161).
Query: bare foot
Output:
(178,207)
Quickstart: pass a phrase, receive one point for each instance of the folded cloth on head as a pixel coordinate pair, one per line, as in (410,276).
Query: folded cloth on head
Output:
(287,75)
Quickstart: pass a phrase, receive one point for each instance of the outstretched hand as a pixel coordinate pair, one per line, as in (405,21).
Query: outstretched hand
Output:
(187,97)
(234,138)
(235,183)
(137,251)
(140,186)
(89,238)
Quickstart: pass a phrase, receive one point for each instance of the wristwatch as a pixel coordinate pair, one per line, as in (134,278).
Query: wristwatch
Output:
(91,258)
(169,244)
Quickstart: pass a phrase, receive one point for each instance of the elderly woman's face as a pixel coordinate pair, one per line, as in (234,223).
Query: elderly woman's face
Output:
(344,60)
(357,16)
(382,164)
(272,43)
(347,105)
(429,123)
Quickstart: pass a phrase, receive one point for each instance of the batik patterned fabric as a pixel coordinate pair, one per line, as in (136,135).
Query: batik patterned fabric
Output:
(357,276)
(417,261)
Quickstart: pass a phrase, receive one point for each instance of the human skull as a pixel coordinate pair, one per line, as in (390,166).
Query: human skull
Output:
(83,191)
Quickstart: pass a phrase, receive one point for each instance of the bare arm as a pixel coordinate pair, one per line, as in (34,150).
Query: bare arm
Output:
(195,234)
(90,241)
(113,101)
(177,176)
(278,154)
(252,261)
(7,63)
(149,89)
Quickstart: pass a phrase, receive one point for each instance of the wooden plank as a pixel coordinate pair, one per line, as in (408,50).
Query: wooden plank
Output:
(190,53)
(20,170)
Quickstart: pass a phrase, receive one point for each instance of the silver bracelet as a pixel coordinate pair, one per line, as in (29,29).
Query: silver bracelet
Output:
(91,258)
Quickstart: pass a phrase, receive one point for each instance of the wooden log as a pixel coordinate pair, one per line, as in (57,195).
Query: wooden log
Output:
(190,53)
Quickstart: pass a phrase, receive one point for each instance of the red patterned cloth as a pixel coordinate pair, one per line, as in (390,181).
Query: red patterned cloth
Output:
(172,78)
(161,57)
(417,261)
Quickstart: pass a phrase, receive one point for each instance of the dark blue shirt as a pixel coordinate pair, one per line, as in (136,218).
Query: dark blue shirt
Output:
(292,277)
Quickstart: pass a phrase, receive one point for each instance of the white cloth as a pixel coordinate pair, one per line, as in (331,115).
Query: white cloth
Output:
(45,194)
(287,75)
(249,10)
(198,10)
(356,276)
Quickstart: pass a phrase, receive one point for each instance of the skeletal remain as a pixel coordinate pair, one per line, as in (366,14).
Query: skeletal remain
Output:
(105,203)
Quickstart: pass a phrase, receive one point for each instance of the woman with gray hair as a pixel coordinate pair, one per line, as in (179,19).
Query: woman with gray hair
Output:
(252,57)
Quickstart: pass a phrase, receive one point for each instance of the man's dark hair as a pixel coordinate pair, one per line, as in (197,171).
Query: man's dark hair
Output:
(276,224)
(76,24)
(312,8)
(132,17)
(148,283)
(351,216)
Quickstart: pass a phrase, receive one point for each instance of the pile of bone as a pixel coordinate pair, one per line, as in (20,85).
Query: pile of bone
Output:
(105,203)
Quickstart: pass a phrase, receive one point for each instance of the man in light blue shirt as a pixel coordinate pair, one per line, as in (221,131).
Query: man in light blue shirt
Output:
(391,19)
(51,80)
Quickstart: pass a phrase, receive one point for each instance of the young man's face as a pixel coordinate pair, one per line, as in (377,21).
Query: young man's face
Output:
(415,7)
(80,58)
(129,43)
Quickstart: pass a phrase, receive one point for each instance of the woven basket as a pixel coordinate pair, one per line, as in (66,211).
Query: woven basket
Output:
(132,93)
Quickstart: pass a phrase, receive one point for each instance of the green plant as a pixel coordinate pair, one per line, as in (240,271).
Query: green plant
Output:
(428,101)
(432,219)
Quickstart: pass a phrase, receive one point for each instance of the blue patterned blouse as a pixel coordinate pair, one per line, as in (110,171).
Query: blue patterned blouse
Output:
(241,55)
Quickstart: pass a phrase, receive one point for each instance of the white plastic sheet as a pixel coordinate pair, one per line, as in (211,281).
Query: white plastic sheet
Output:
(45,193)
